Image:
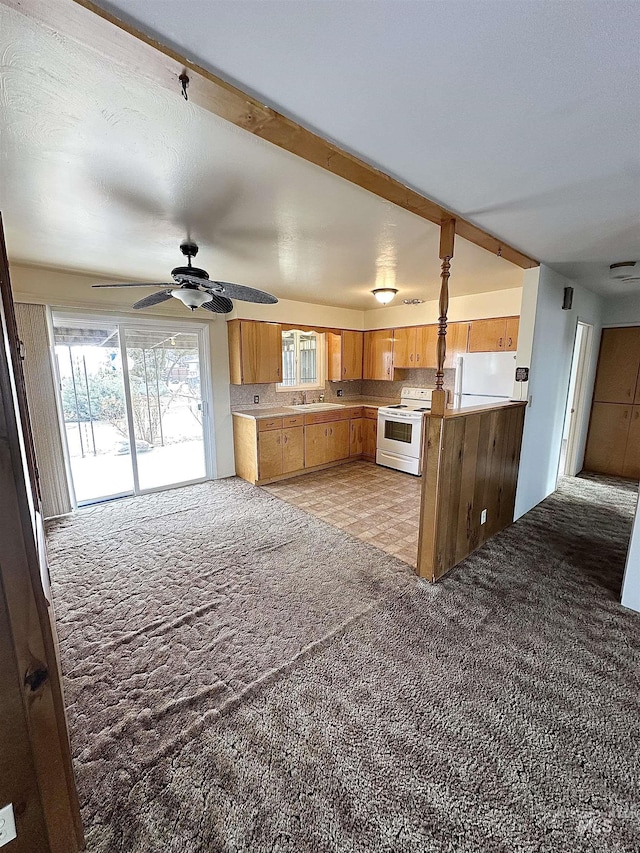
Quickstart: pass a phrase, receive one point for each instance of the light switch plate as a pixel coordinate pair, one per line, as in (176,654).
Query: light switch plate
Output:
(7,825)
(483,516)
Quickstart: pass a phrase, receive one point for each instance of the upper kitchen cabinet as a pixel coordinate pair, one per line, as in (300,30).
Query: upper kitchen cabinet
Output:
(500,333)
(427,344)
(345,355)
(378,354)
(618,364)
(255,352)
(414,346)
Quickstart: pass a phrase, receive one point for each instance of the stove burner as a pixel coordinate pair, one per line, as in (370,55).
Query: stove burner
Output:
(422,410)
(398,406)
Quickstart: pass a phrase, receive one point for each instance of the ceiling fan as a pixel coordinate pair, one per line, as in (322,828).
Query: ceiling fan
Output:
(195,290)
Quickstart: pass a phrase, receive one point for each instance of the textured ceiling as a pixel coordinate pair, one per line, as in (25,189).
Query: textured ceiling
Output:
(523,117)
(100,172)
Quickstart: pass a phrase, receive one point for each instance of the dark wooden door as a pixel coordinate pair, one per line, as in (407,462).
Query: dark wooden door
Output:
(43,787)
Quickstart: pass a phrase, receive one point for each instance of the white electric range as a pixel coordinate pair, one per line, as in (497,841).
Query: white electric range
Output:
(401,431)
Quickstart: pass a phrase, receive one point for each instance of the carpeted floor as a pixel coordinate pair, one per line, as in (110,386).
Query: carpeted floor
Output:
(241,676)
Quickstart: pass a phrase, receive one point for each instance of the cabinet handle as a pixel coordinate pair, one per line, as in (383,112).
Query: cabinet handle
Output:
(500,343)
(637,415)
(278,372)
(411,357)
(626,414)
(417,356)
(509,342)
(344,371)
(331,430)
(286,439)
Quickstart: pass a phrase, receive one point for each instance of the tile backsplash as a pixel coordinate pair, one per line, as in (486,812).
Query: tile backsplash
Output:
(242,395)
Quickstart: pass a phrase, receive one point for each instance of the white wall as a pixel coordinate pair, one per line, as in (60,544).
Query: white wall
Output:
(631,582)
(547,343)
(621,310)
(477,306)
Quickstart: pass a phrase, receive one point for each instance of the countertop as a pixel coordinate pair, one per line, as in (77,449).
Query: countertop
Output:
(460,411)
(259,412)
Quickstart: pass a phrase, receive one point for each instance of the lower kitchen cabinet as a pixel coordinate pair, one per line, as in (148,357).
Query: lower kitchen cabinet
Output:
(370,435)
(292,449)
(270,454)
(326,442)
(356,437)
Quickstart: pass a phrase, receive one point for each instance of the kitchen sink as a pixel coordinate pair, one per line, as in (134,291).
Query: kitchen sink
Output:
(316,407)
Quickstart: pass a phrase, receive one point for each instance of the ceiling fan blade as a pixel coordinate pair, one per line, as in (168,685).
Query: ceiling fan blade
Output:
(138,284)
(239,291)
(218,305)
(153,299)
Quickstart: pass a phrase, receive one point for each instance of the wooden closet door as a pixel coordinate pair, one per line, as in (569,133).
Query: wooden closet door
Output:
(618,364)
(607,441)
(632,454)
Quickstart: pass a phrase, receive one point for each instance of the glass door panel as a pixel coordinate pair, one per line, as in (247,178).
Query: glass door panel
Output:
(166,405)
(94,408)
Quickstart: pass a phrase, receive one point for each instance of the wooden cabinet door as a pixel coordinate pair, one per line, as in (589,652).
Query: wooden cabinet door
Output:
(338,441)
(618,366)
(334,356)
(632,454)
(292,449)
(511,341)
(426,345)
(315,445)
(378,354)
(269,454)
(369,437)
(607,440)
(261,345)
(355,441)
(352,346)
(487,335)
(457,334)
(404,347)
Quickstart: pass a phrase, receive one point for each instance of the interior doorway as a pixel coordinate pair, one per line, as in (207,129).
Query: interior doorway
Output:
(577,404)
(133,404)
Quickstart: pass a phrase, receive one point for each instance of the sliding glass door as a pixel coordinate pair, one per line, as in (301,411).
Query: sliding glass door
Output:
(131,396)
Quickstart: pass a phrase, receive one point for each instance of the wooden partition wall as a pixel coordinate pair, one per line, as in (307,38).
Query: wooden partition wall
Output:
(470,464)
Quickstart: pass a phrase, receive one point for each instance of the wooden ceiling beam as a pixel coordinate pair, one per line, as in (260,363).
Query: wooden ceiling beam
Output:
(124,45)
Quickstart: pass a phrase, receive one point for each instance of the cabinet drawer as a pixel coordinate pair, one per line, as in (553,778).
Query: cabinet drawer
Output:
(326,417)
(355,413)
(370,412)
(293,420)
(269,423)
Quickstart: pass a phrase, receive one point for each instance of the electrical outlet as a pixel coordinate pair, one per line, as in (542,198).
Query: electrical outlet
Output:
(256,398)
(7,825)
(483,516)
(339,392)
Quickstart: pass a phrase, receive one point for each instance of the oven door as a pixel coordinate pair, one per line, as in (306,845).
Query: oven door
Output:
(400,435)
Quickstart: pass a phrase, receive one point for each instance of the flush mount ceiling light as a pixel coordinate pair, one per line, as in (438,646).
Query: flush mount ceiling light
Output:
(625,271)
(384,294)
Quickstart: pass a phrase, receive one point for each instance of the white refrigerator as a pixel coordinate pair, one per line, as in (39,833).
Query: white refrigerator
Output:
(484,377)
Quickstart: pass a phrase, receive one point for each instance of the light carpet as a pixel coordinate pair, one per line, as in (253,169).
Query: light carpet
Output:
(241,676)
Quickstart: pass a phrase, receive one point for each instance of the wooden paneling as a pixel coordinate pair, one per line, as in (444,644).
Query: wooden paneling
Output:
(607,439)
(618,364)
(487,335)
(378,354)
(292,449)
(269,454)
(513,325)
(356,438)
(470,464)
(369,437)
(132,49)
(245,448)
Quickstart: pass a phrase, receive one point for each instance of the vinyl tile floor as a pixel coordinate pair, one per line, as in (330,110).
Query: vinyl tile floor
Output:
(372,503)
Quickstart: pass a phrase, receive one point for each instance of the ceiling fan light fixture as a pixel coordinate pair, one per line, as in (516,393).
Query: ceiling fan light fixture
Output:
(384,294)
(625,271)
(191,298)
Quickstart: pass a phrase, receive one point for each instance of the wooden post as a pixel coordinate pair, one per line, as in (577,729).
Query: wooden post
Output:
(447,238)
